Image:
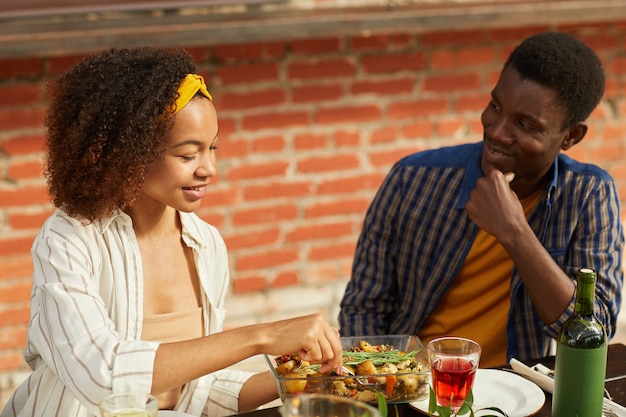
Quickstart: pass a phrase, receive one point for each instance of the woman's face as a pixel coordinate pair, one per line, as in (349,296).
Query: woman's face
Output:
(181,178)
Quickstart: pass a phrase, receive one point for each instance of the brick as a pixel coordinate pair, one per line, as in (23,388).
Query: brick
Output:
(277,190)
(606,152)
(444,59)
(272,143)
(22,68)
(19,118)
(11,361)
(515,34)
(337,207)
(12,338)
(380,41)
(25,170)
(614,132)
(319,231)
(384,87)
(212,217)
(19,94)
(472,102)
(611,89)
(27,195)
(419,129)
(321,273)
(199,54)
(22,145)
(393,62)
(416,108)
(251,284)
(264,215)
(15,293)
(385,134)
(449,127)
(275,120)
(231,148)
(328,163)
(251,73)
(476,56)
(248,51)
(286,279)
(338,250)
(618,65)
(15,316)
(228,126)
(350,184)
(386,159)
(21,220)
(442,38)
(452,83)
(217,196)
(16,267)
(316,46)
(250,100)
(17,246)
(264,237)
(309,141)
(250,171)
(59,64)
(348,114)
(327,68)
(266,259)
(317,93)
(345,138)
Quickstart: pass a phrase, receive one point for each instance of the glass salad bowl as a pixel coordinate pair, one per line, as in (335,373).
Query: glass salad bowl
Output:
(394,366)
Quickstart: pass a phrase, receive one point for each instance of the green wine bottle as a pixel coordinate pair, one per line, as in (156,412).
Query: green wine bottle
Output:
(580,357)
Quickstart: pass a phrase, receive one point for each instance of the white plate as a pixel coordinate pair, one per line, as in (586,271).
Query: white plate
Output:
(511,393)
(170,413)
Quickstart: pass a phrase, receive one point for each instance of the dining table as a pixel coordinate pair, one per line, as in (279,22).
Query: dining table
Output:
(615,386)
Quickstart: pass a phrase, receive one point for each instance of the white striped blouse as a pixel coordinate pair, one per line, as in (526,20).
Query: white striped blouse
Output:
(87,313)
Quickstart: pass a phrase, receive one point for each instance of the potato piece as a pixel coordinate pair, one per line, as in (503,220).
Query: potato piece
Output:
(366,368)
(286,367)
(388,368)
(294,384)
(367,347)
(367,396)
(341,389)
(410,382)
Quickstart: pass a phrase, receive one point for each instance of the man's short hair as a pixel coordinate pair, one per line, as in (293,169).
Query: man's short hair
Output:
(565,64)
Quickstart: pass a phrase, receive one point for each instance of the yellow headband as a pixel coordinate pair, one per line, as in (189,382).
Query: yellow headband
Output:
(187,90)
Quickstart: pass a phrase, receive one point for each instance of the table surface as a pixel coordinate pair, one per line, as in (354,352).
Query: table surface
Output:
(616,366)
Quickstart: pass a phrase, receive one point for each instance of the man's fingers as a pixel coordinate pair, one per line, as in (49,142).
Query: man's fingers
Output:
(509,177)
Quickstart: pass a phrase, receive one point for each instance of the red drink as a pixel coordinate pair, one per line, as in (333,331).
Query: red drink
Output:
(452,380)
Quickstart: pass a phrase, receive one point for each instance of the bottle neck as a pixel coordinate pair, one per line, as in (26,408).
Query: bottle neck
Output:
(585,294)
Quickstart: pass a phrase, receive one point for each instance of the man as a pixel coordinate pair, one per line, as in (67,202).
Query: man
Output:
(484,240)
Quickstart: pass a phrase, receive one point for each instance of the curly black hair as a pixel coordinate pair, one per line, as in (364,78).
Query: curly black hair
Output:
(106,126)
(563,63)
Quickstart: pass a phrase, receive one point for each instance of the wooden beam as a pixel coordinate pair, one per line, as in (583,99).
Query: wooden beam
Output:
(77,34)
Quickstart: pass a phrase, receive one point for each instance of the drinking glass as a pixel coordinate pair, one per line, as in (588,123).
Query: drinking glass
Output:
(323,405)
(453,363)
(129,404)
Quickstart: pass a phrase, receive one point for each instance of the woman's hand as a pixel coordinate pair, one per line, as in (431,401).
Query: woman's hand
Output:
(310,336)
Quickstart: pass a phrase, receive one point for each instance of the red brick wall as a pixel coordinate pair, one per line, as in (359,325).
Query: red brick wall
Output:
(308,129)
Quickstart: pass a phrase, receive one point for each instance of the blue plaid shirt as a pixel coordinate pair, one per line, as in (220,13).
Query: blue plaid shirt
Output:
(416,235)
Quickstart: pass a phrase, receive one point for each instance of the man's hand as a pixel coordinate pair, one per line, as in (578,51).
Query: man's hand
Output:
(494,206)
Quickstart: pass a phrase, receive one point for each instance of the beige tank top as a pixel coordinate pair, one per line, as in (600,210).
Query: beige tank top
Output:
(172,327)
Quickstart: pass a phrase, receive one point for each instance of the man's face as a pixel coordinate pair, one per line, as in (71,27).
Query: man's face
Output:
(522,130)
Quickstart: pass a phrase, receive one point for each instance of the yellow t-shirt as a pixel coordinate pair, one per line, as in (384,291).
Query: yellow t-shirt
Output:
(485,279)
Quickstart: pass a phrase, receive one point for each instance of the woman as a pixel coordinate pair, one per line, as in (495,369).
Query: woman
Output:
(129,284)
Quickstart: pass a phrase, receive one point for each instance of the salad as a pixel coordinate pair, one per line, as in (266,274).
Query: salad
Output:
(368,370)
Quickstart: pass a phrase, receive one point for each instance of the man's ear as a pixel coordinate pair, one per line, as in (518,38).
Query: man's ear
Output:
(574,135)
